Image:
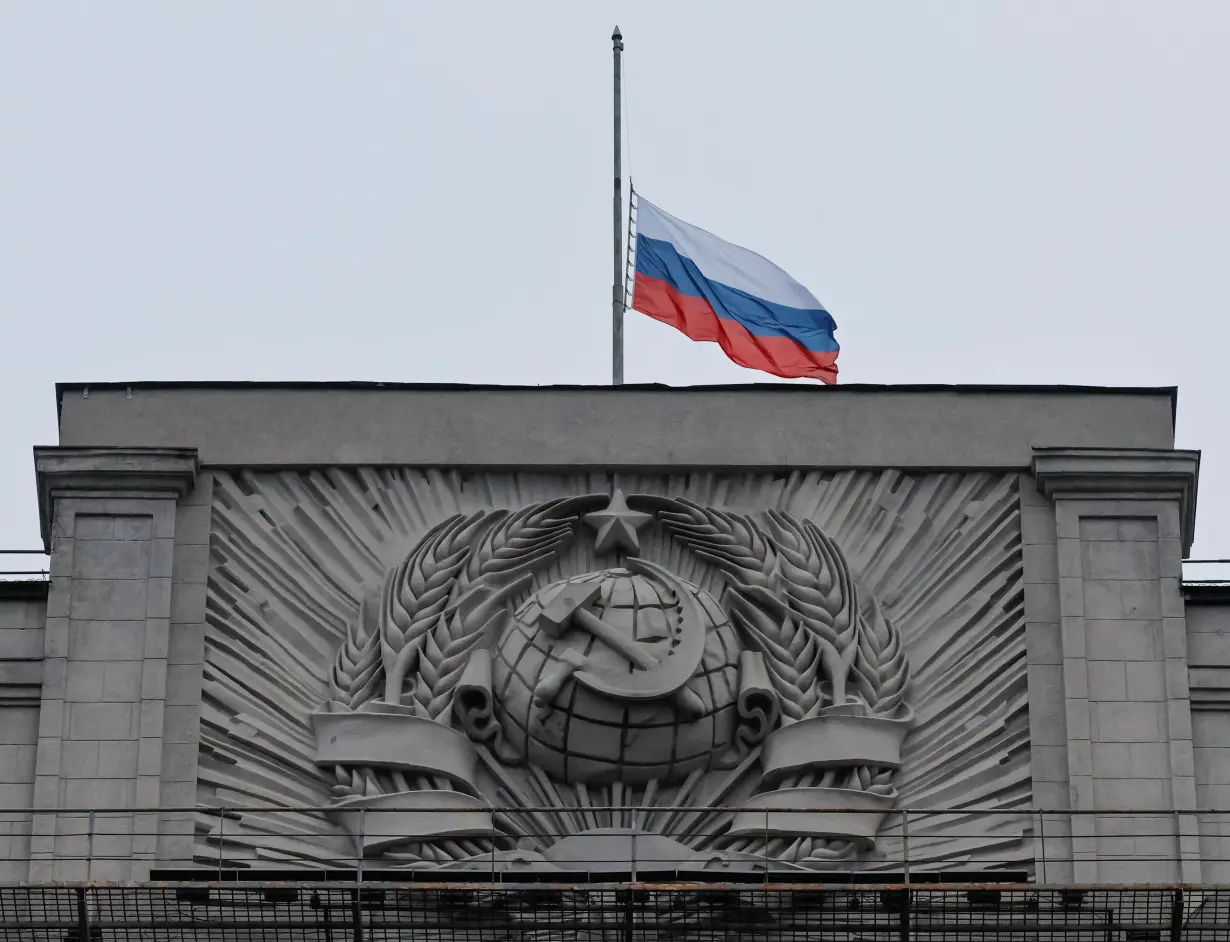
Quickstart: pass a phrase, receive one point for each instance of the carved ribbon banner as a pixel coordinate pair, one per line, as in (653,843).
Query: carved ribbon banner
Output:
(838,737)
(841,677)
(371,565)
(435,609)
(389,736)
(820,689)
(759,708)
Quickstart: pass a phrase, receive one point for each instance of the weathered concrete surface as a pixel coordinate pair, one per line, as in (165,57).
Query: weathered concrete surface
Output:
(1104,518)
(23,612)
(644,427)
(1208,662)
(1119,659)
(105,712)
(118,472)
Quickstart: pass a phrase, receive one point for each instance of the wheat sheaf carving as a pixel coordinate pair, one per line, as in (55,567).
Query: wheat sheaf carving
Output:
(301,591)
(881,671)
(791,591)
(357,669)
(449,593)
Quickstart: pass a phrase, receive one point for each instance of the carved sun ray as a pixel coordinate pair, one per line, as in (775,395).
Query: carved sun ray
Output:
(296,553)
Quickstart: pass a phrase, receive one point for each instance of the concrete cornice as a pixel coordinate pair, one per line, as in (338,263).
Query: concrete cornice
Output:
(1122,474)
(109,472)
(777,428)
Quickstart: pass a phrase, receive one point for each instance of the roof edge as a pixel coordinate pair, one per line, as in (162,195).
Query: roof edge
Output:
(782,388)
(793,388)
(24,589)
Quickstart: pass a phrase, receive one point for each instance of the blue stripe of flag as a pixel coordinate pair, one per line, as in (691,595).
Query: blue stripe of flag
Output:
(811,329)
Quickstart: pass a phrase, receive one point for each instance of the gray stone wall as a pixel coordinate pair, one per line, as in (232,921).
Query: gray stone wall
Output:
(1048,732)
(1112,566)
(1208,651)
(21,655)
(1127,688)
(103,714)
(185,656)
(105,685)
(1122,522)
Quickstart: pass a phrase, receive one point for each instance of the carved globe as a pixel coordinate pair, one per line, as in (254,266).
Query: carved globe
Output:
(578,734)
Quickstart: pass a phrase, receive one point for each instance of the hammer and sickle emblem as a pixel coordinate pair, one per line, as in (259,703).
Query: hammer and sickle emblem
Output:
(656,678)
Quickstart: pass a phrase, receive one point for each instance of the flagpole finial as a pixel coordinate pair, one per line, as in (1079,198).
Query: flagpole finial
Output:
(616,36)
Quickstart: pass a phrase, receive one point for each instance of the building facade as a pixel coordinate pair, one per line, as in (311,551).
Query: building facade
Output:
(601,630)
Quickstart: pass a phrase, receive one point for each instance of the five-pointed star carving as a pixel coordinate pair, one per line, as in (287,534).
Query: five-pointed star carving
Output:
(617,525)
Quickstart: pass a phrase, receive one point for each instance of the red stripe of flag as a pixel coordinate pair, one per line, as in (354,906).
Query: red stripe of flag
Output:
(696,318)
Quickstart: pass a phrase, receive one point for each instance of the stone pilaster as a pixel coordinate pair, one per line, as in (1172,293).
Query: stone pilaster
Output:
(1123,523)
(109,521)
(1047,723)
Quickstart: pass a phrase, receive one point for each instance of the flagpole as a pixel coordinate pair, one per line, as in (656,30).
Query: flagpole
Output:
(617,286)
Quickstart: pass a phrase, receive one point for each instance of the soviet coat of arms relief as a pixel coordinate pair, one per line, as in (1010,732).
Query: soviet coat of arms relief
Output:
(751,666)
(500,701)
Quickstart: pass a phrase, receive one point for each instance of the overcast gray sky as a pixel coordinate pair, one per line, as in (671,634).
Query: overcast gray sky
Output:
(980,192)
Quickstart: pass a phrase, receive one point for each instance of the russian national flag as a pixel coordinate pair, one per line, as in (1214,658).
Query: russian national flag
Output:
(712,290)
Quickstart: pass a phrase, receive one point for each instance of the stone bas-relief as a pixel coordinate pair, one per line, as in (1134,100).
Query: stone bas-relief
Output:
(726,663)
(624,675)
(628,676)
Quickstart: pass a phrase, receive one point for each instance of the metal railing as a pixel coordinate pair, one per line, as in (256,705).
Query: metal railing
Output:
(642,912)
(1206,571)
(633,842)
(274,872)
(12,569)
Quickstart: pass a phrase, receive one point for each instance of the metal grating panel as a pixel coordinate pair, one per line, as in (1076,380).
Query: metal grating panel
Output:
(290,912)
